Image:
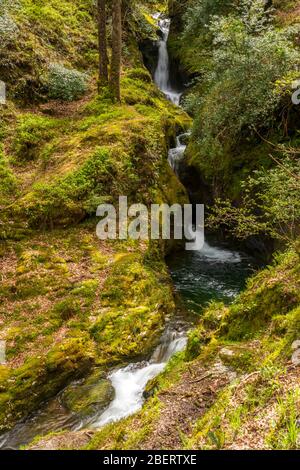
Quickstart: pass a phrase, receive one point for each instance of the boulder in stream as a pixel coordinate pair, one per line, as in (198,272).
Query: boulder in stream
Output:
(94,394)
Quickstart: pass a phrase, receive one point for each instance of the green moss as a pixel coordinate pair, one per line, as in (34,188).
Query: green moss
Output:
(40,378)
(33,130)
(272,292)
(59,30)
(8,182)
(67,308)
(88,396)
(140,74)
(136,301)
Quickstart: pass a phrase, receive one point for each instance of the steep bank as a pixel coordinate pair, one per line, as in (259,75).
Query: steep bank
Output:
(242,60)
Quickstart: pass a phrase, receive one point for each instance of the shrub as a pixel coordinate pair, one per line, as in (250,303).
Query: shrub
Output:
(238,89)
(65,84)
(270,204)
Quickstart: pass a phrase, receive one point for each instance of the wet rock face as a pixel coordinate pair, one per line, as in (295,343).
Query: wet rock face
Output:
(94,394)
(149,50)
(196,186)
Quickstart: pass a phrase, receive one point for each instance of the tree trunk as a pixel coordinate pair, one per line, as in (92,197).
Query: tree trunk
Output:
(103,58)
(115,68)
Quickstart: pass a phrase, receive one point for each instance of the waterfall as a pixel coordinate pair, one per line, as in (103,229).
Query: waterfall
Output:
(162,80)
(162,73)
(176,154)
(129,382)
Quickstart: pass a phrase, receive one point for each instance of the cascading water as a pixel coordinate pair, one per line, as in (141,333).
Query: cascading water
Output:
(162,73)
(176,154)
(130,382)
(162,77)
(207,274)
(163,82)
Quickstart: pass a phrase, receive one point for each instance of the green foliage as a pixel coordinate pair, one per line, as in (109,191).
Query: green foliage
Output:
(285,434)
(270,204)
(65,84)
(246,66)
(196,37)
(238,87)
(60,31)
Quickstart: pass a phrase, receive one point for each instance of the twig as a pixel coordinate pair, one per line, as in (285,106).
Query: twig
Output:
(290,151)
(284,168)
(201,378)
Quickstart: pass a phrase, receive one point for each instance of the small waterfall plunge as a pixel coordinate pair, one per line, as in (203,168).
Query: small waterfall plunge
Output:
(130,382)
(162,73)
(176,154)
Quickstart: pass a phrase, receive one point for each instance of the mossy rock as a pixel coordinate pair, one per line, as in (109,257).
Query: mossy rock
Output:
(140,74)
(239,358)
(94,394)
(24,389)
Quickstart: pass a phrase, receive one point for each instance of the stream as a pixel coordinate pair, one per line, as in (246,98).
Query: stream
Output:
(214,273)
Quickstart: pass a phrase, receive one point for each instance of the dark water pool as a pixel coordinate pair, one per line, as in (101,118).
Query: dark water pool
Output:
(214,273)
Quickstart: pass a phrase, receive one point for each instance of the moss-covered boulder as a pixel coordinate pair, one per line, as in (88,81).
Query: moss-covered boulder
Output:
(94,394)
(24,389)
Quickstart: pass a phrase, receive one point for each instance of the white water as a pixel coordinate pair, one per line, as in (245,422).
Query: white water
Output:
(129,383)
(162,73)
(222,255)
(176,154)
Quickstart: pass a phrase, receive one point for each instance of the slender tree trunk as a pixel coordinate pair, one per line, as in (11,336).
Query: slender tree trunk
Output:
(115,68)
(103,58)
